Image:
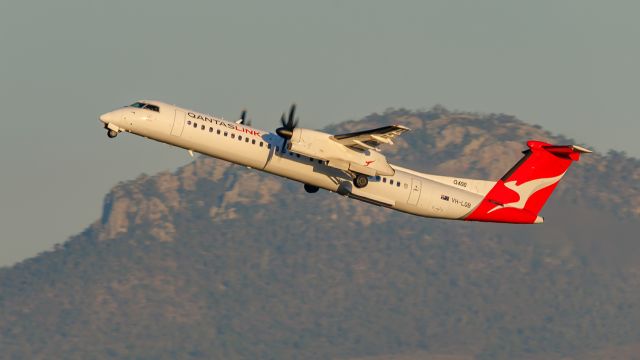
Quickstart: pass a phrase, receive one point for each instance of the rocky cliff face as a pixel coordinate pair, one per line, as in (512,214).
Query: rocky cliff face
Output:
(217,261)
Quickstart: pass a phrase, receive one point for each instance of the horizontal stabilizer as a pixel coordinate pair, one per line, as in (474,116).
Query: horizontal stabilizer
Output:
(571,151)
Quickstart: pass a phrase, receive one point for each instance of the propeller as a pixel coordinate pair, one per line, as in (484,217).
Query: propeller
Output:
(243,118)
(288,125)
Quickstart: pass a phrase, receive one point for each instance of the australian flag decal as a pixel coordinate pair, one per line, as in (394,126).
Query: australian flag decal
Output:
(444,197)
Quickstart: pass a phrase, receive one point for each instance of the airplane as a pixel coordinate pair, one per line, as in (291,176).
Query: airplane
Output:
(352,164)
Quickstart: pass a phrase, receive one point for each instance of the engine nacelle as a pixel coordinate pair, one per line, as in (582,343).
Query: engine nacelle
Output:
(319,145)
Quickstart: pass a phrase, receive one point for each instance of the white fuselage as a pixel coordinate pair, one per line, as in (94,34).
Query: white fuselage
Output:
(408,191)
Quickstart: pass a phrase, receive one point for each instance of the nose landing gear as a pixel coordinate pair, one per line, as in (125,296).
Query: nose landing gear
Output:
(111,133)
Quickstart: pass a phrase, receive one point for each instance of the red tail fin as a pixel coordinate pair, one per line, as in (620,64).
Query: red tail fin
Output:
(522,192)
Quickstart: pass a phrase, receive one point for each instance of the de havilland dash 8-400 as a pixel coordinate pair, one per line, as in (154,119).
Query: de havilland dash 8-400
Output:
(352,164)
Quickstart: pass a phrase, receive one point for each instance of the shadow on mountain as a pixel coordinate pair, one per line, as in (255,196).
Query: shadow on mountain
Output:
(216,261)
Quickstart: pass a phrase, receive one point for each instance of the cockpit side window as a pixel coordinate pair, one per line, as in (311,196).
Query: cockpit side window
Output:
(152,107)
(138,105)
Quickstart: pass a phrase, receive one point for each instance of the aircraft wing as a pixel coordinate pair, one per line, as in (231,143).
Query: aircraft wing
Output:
(370,139)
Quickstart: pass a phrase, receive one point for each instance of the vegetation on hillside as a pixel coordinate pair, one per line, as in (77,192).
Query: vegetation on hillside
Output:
(217,261)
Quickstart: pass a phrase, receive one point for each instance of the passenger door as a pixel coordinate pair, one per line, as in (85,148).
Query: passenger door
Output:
(178,123)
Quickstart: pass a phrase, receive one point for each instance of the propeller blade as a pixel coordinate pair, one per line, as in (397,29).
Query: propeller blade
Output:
(292,112)
(243,118)
(288,125)
(283,121)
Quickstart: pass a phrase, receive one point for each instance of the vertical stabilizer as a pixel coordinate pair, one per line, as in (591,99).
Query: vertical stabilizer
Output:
(522,192)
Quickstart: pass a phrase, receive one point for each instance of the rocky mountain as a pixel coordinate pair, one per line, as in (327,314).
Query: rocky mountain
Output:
(215,261)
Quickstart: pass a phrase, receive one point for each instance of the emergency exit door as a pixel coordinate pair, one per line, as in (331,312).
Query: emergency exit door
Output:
(416,189)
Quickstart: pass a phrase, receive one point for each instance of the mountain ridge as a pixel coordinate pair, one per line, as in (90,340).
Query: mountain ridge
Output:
(217,261)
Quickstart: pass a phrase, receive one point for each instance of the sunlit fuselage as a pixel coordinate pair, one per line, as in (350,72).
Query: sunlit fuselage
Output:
(406,190)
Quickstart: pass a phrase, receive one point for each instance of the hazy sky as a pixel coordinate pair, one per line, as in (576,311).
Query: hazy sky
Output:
(570,66)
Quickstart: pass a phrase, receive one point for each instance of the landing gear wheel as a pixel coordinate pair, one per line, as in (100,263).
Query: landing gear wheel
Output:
(311,189)
(360,181)
(112,133)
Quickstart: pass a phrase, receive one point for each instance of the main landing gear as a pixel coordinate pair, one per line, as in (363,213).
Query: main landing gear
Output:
(311,188)
(111,133)
(360,181)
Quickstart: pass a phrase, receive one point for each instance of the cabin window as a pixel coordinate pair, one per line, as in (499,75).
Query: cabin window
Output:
(391,182)
(195,125)
(202,127)
(226,133)
(210,129)
(253,141)
(261,143)
(384,180)
(218,132)
(189,122)
(240,137)
(233,136)
(398,184)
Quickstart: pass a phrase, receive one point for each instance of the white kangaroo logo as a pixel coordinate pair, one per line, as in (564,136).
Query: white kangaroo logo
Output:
(526,190)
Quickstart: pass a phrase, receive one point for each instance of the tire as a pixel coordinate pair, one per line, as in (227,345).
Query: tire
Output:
(112,133)
(360,181)
(311,189)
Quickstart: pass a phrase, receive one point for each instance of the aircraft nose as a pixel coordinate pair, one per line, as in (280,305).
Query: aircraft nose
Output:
(106,118)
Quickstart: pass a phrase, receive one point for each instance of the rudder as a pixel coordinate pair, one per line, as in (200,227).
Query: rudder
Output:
(521,193)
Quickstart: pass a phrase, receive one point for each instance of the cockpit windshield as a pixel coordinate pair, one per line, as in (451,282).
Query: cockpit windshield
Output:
(141,105)
(152,107)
